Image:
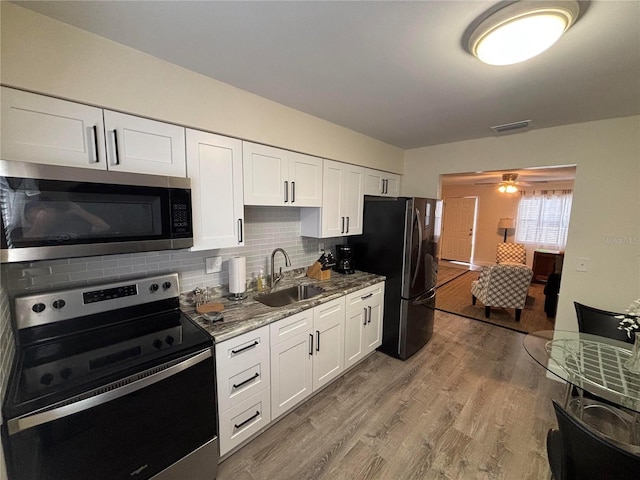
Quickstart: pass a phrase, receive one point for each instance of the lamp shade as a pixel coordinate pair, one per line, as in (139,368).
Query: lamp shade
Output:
(507,222)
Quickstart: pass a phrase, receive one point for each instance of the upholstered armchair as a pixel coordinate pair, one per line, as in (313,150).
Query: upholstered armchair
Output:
(503,286)
(511,253)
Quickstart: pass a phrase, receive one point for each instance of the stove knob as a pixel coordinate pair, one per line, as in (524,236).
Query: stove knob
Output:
(166,285)
(157,343)
(58,304)
(46,379)
(65,373)
(38,307)
(169,340)
(153,288)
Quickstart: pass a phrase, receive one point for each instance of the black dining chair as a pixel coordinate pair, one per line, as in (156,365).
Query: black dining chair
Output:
(577,452)
(600,322)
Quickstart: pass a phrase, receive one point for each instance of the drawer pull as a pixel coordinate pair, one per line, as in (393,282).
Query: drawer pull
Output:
(364,297)
(246,381)
(252,417)
(235,352)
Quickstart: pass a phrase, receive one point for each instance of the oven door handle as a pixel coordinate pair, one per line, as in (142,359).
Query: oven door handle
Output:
(20,424)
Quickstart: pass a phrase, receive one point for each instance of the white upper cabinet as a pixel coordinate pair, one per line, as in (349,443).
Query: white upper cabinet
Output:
(41,129)
(277,177)
(342,205)
(214,164)
(139,145)
(381,184)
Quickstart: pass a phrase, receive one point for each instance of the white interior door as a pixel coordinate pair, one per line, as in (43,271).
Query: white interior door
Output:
(457,230)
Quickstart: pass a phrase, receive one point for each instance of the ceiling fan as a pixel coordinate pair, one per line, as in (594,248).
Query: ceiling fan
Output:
(510,183)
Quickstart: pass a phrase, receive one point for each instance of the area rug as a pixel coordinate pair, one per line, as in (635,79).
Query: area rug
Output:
(454,296)
(447,273)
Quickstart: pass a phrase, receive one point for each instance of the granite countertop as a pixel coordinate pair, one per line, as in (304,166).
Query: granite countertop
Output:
(248,314)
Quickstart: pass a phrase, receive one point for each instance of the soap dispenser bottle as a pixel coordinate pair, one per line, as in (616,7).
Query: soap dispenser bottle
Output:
(261,281)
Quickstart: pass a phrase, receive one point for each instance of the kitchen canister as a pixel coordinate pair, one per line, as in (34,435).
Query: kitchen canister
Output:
(237,277)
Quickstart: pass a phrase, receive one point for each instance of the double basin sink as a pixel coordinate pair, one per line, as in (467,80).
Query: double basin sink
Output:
(287,296)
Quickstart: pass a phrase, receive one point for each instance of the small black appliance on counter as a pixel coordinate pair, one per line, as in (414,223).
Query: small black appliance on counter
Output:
(344,263)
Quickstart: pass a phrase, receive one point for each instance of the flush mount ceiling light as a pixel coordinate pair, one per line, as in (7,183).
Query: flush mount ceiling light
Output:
(521,31)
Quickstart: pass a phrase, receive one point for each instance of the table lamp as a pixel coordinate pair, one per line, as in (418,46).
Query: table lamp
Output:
(506,223)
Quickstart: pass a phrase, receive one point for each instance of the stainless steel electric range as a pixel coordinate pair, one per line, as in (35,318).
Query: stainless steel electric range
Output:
(110,382)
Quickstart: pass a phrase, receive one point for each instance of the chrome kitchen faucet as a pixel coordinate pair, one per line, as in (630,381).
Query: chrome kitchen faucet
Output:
(287,262)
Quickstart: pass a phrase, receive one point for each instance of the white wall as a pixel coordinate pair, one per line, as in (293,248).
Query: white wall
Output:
(50,57)
(605,219)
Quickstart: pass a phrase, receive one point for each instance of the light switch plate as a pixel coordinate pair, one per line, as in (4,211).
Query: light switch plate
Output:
(321,248)
(582,264)
(213,264)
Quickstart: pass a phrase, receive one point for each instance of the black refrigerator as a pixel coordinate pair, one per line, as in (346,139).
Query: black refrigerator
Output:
(400,240)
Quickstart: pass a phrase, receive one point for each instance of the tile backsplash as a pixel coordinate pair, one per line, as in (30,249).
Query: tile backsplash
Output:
(266,228)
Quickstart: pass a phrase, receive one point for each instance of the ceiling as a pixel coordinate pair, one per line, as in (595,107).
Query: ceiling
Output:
(396,71)
(527,177)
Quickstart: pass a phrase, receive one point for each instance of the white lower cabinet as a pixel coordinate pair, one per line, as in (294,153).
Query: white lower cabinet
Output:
(266,372)
(363,326)
(307,351)
(243,383)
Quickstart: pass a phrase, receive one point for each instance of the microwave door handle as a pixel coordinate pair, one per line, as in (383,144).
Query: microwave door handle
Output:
(95,142)
(20,424)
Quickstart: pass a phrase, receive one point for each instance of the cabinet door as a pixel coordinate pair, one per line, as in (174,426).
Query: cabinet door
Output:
(328,360)
(41,129)
(305,180)
(354,330)
(266,174)
(375,309)
(291,372)
(353,199)
(214,164)
(333,181)
(393,185)
(373,182)
(140,145)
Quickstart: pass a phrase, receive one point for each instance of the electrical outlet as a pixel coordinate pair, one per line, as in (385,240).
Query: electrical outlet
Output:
(321,248)
(213,264)
(582,264)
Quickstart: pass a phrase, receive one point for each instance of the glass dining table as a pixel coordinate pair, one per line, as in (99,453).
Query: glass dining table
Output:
(589,362)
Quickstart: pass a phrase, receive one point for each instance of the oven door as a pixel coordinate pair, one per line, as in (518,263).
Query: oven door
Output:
(159,423)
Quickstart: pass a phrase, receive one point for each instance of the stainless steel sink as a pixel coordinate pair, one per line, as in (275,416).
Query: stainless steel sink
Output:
(289,295)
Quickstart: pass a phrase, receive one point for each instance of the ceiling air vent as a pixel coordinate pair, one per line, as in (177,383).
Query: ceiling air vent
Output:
(507,127)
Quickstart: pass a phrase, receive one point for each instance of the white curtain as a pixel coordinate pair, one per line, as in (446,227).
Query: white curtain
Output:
(543,218)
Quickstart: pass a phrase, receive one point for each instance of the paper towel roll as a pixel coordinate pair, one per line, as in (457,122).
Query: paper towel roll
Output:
(237,274)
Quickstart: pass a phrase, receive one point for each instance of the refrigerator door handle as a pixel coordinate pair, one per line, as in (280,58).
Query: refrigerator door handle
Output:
(425,298)
(415,275)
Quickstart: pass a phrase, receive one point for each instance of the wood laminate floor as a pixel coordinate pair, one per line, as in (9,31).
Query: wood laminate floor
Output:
(469,405)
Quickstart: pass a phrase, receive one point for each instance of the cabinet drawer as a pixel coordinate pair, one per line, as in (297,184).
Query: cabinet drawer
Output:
(291,327)
(242,421)
(243,351)
(234,388)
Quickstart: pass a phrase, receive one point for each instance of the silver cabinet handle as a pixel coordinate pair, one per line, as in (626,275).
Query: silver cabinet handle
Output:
(115,146)
(293,192)
(369,319)
(286,191)
(95,142)
(365,316)
(240,233)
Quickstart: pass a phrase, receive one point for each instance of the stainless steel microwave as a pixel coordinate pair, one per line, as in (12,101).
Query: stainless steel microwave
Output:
(52,212)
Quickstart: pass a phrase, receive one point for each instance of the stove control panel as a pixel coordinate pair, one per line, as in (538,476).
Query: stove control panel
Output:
(55,306)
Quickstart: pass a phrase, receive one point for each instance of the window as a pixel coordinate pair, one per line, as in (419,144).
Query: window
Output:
(543,218)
